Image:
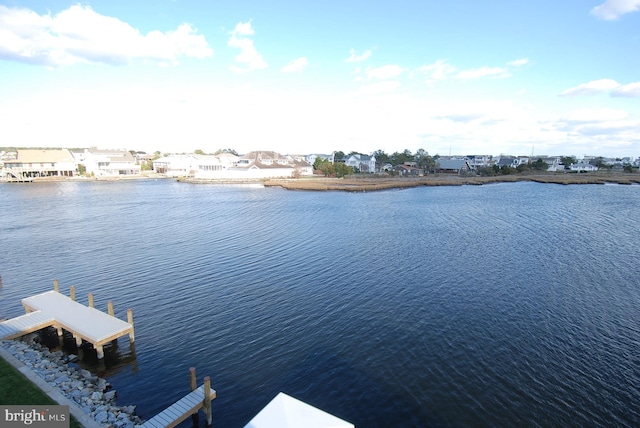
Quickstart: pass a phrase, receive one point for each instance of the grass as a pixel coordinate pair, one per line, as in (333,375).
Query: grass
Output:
(17,389)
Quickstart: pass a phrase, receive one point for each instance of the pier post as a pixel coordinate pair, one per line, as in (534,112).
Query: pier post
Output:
(56,286)
(207,400)
(72,292)
(110,308)
(90,300)
(78,340)
(100,351)
(130,321)
(193,384)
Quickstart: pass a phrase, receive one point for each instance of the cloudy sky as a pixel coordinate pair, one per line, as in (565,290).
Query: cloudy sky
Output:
(455,76)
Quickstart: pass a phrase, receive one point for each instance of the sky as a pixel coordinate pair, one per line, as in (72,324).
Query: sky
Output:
(455,77)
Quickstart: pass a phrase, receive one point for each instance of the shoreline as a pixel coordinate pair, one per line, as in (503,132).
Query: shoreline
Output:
(369,184)
(91,399)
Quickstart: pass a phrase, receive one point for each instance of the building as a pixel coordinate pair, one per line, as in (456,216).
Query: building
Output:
(108,163)
(361,163)
(36,163)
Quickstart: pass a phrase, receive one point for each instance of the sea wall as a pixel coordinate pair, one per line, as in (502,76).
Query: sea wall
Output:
(94,395)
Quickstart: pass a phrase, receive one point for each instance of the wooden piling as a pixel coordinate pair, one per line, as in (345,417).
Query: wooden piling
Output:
(72,292)
(110,308)
(207,400)
(130,321)
(56,286)
(193,384)
(91,300)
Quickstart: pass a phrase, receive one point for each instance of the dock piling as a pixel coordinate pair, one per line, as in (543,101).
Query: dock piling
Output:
(193,384)
(72,292)
(56,286)
(130,321)
(207,400)
(110,308)
(90,296)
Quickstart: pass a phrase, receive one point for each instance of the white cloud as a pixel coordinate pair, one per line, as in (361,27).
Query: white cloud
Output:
(81,35)
(384,72)
(590,115)
(519,62)
(589,88)
(440,70)
(249,57)
(477,73)
(384,87)
(630,90)
(296,66)
(354,57)
(613,9)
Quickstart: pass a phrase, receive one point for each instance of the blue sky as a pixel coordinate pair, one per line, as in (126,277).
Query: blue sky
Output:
(456,77)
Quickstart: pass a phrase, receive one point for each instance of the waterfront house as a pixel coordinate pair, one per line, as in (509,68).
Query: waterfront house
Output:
(582,166)
(34,163)
(361,163)
(109,163)
(452,166)
(408,170)
(268,164)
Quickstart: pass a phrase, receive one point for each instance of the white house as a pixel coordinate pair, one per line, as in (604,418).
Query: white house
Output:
(110,163)
(582,166)
(362,163)
(267,164)
(35,163)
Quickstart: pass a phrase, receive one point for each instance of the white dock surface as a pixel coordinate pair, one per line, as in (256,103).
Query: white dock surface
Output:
(91,324)
(24,324)
(179,411)
(285,411)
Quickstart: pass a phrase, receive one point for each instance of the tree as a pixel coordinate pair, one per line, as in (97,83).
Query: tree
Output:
(400,158)
(198,152)
(342,169)
(381,157)
(338,156)
(231,151)
(424,161)
(567,161)
(540,165)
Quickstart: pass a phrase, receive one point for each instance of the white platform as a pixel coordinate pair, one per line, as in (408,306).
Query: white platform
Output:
(285,411)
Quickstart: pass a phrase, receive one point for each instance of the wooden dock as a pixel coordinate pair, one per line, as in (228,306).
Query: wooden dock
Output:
(189,405)
(52,309)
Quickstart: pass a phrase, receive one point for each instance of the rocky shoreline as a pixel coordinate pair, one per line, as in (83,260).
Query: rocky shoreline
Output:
(94,395)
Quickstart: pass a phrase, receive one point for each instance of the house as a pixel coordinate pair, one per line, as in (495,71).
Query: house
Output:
(452,166)
(33,163)
(361,163)
(311,159)
(408,169)
(268,164)
(582,166)
(109,163)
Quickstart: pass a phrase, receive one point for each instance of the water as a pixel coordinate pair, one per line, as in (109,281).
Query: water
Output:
(501,305)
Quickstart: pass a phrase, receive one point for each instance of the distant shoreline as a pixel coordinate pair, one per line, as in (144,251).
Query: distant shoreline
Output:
(369,184)
(377,183)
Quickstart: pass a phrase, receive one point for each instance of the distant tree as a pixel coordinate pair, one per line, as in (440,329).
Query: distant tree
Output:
(381,157)
(506,170)
(82,170)
(628,168)
(342,169)
(567,161)
(231,151)
(424,161)
(198,152)
(338,156)
(324,166)
(398,158)
(540,165)
(523,167)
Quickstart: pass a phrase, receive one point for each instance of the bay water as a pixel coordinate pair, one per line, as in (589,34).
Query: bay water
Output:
(513,304)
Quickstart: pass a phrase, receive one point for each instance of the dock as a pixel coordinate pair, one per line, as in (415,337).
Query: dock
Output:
(53,309)
(189,405)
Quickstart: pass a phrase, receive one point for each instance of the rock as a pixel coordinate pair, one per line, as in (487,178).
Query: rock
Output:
(102,417)
(96,396)
(62,379)
(109,395)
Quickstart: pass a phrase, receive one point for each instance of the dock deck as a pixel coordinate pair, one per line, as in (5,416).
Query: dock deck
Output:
(57,310)
(180,410)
